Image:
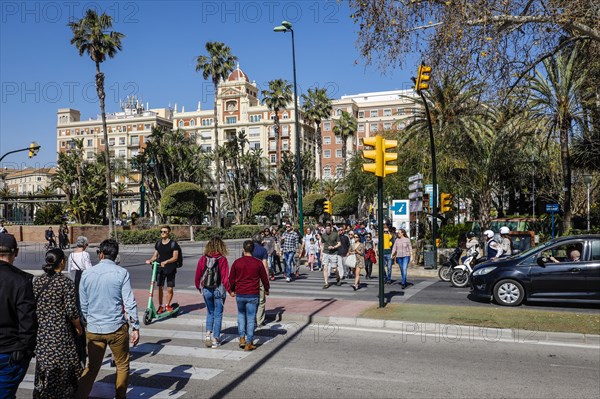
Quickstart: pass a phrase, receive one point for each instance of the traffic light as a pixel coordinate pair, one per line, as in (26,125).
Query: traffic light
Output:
(423,77)
(390,156)
(327,207)
(445,202)
(374,154)
(33,149)
(426,206)
(380,156)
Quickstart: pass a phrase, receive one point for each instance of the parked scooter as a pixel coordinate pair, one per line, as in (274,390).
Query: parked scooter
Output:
(445,271)
(462,273)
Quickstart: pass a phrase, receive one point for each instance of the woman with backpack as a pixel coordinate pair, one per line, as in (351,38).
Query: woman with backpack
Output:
(212,279)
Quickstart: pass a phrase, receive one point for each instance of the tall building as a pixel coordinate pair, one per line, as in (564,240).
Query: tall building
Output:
(239,109)
(375,112)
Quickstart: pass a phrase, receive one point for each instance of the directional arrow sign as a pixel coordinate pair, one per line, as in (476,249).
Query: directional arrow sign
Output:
(415,195)
(415,186)
(416,177)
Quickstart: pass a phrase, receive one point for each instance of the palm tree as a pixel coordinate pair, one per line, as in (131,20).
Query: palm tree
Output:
(217,66)
(345,127)
(317,106)
(91,36)
(554,102)
(277,97)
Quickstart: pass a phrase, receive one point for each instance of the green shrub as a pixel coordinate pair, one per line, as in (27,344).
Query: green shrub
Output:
(451,234)
(233,232)
(267,203)
(344,204)
(50,213)
(313,204)
(150,236)
(185,200)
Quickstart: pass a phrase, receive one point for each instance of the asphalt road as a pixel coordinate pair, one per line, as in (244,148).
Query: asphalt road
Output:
(424,290)
(298,360)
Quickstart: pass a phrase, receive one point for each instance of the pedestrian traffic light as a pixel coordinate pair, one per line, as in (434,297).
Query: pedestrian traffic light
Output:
(390,156)
(423,77)
(445,202)
(426,207)
(327,207)
(374,154)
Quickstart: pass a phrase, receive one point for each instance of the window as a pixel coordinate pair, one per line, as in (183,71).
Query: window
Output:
(326,125)
(327,154)
(272,146)
(361,114)
(90,155)
(180,123)
(285,116)
(111,141)
(101,142)
(285,146)
(272,131)
(147,126)
(338,140)
(561,252)
(339,170)
(90,143)
(231,120)
(595,250)
(192,123)
(387,112)
(374,113)
(360,142)
(272,116)
(207,122)
(373,127)
(254,132)
(121,140)
(327,140)
(255,118)
(272,158)
(134,140)
(361,127)
(206,148)
(122,153)
(398,111)
(338,153)
(285,130)
(254,145)
(231,105)
(387,125)
(327,171)
(339,112)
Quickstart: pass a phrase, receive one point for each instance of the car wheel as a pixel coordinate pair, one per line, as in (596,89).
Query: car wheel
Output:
(509,293)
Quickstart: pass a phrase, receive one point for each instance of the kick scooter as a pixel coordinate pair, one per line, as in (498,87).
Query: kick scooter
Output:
(151,312)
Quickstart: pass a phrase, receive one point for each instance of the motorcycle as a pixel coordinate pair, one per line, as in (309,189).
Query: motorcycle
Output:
(445,271)
(462,273)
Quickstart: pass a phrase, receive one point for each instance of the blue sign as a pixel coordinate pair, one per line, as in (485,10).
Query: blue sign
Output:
(399,208)
(551,208)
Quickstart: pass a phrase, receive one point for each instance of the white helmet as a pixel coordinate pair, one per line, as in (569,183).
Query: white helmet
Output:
(488,233)
(504,230)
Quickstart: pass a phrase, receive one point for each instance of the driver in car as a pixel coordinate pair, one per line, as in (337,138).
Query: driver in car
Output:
(574,256)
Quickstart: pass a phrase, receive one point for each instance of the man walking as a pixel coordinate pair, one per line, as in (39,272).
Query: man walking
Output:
(330,242)
(289,246)
(166,251)
(260,253)
(18,323)
(109,308)
(245,277)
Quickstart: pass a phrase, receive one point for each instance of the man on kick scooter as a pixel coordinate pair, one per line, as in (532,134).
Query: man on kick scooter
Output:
(166,251)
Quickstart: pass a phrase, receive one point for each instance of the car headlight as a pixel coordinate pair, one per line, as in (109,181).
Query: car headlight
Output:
(483,270)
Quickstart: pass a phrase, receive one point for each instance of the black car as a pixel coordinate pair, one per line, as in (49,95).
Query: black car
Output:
(563,268)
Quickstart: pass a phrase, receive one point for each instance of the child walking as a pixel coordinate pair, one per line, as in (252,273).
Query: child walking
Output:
(313,248)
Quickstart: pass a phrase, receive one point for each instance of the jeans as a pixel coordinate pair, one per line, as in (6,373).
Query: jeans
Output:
(118,342)
(11,375)
(318,258)
(270,262)
(214,299)
(288,260)
(403,263)
(340,262)
(247,305)
(387,262)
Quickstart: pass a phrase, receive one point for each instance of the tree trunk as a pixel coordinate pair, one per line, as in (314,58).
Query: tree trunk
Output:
(278,150)
(344,151)
(319,156)
(191,231)
(566,169)
(217,163)
(101,97)
(485,205)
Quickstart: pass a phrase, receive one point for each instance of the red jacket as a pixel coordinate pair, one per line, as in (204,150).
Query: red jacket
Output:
(223,270)
(245,274)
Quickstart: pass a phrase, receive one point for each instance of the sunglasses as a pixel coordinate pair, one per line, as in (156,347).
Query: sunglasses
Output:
(164,232)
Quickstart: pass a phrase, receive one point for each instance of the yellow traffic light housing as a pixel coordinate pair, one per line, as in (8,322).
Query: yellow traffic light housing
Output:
(390,156)
(327,207)
(33,149)
(380,156)
(423,77)
(445,202)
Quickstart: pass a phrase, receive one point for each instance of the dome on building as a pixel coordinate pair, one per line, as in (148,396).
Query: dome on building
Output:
(237,74)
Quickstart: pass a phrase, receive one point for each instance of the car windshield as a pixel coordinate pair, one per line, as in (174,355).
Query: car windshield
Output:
(535,249)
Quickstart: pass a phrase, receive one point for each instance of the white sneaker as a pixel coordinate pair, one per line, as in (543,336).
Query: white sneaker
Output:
(215,344)
(208,340)
(288,279)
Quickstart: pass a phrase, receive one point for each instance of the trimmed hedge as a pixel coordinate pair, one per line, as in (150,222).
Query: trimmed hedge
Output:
(313,204)
(267,203)
(150,236)
(344,204)
(238,231)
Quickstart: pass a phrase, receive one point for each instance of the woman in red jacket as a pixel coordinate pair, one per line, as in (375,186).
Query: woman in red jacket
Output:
(212,279)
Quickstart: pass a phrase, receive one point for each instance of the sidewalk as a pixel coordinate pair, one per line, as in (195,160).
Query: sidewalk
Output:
(345,313)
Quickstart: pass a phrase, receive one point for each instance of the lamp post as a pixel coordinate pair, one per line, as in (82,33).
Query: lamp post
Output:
(588,182)
(141,166)
(287,27)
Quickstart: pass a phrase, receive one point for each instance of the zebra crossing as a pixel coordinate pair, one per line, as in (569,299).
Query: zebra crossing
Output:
(170,356)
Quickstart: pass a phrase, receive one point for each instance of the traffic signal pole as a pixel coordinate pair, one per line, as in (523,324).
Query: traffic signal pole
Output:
(380,235)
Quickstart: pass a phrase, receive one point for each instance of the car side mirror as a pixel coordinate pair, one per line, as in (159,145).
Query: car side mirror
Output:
(541,261)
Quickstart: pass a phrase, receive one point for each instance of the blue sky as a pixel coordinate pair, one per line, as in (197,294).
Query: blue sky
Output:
(40,71)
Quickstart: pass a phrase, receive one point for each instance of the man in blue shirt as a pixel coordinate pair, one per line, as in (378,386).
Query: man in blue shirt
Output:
(108,307)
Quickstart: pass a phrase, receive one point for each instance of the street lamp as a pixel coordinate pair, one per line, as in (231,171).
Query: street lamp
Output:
(141,166)
(287,27)
(588,181)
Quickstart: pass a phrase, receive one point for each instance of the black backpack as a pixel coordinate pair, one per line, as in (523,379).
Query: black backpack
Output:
(174,247)
(211,277)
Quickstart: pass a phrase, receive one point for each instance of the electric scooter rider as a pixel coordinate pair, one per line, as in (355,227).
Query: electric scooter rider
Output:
(166,251)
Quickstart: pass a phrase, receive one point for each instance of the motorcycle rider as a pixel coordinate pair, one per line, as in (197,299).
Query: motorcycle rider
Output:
(472,246)
(493,249)
(506,241)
